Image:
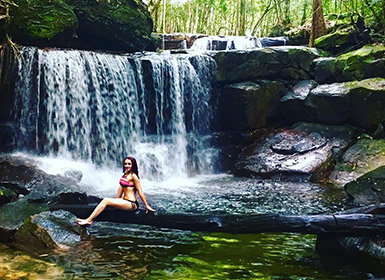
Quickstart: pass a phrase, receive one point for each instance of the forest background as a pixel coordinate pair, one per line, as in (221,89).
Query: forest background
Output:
(260,18)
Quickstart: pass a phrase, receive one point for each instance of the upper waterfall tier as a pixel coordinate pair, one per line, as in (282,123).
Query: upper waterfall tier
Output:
(102,107)
(236,42)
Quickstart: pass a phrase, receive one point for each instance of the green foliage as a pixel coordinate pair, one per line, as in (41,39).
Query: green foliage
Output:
(258,18)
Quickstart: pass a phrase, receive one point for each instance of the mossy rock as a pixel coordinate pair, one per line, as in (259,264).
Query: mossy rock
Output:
(369,188)
(360,103)
(364,156)
(6,195)
(366,62)
(41,22)
(121,25)
(115,25)
(299,35)
(47,231)
(337,41)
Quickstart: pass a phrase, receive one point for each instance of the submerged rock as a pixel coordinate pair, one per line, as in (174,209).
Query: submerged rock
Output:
(366,62)
(364,156)
(46,231)
(363,248)
(305,152)
(369,188)
(246,106)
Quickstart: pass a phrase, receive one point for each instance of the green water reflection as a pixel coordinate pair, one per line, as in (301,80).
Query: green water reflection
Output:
(149,253)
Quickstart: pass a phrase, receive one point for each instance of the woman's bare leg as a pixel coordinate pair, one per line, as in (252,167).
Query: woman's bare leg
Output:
(114,202)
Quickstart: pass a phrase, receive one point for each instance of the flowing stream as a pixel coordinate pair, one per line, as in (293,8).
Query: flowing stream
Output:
(85,111)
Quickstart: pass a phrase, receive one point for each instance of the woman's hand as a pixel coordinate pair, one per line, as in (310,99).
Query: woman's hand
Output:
(148,208)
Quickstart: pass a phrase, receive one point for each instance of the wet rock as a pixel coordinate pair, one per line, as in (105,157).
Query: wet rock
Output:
(360,103)
(370,249)
(304,152)
(286,62)
(292,103)
(366,62)
(246,106)
(74,174)
(13,214)
(364,156)
(6,195)
(369,188)
(24,178)
(46,231)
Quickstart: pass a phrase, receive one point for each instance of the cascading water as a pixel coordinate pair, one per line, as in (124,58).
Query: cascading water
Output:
(236,42)
(100,108)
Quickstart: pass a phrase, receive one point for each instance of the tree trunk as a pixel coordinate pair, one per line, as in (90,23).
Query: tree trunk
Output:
(318,27)
(369,220)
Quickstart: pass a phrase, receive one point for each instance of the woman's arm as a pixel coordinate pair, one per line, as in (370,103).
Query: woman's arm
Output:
(141,193)
(120,192)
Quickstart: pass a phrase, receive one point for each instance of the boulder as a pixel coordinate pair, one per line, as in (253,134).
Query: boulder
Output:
(118,25)
(13,214)
(328,104)
(366,62)
(304,152)
(42,23)
(23,177)
(298,35)
(360,103)
(247,105)
(364,156)
(291,105)
(6,195)
(96,25)
(363,249)
(369,188)
(46,231)
(338,41)
(285,62)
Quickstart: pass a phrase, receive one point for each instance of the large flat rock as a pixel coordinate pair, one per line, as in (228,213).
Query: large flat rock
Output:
(304,152)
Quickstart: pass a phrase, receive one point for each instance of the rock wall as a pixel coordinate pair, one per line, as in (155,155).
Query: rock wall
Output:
(336,98)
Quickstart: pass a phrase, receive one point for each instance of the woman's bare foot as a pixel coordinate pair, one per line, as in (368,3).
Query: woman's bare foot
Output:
(84,222)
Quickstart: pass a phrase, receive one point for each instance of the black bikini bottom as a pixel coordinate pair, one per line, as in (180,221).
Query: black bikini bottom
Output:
(133,203)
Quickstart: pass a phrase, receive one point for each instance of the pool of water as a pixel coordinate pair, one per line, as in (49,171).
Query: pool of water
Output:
(123,251)
(117,251)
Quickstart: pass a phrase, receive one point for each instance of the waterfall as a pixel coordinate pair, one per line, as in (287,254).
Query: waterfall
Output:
(101,107)
(236,42)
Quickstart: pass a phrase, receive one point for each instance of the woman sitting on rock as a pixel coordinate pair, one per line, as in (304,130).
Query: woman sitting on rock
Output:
(129,184)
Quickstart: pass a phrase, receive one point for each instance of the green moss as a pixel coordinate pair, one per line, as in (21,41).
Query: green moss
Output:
(367,51)
(334,39)
(41,19)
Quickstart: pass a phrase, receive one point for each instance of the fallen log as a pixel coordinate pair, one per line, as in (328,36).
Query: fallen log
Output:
(352,223)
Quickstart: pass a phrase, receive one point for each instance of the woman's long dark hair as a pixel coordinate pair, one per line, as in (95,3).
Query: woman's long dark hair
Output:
(134,167)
